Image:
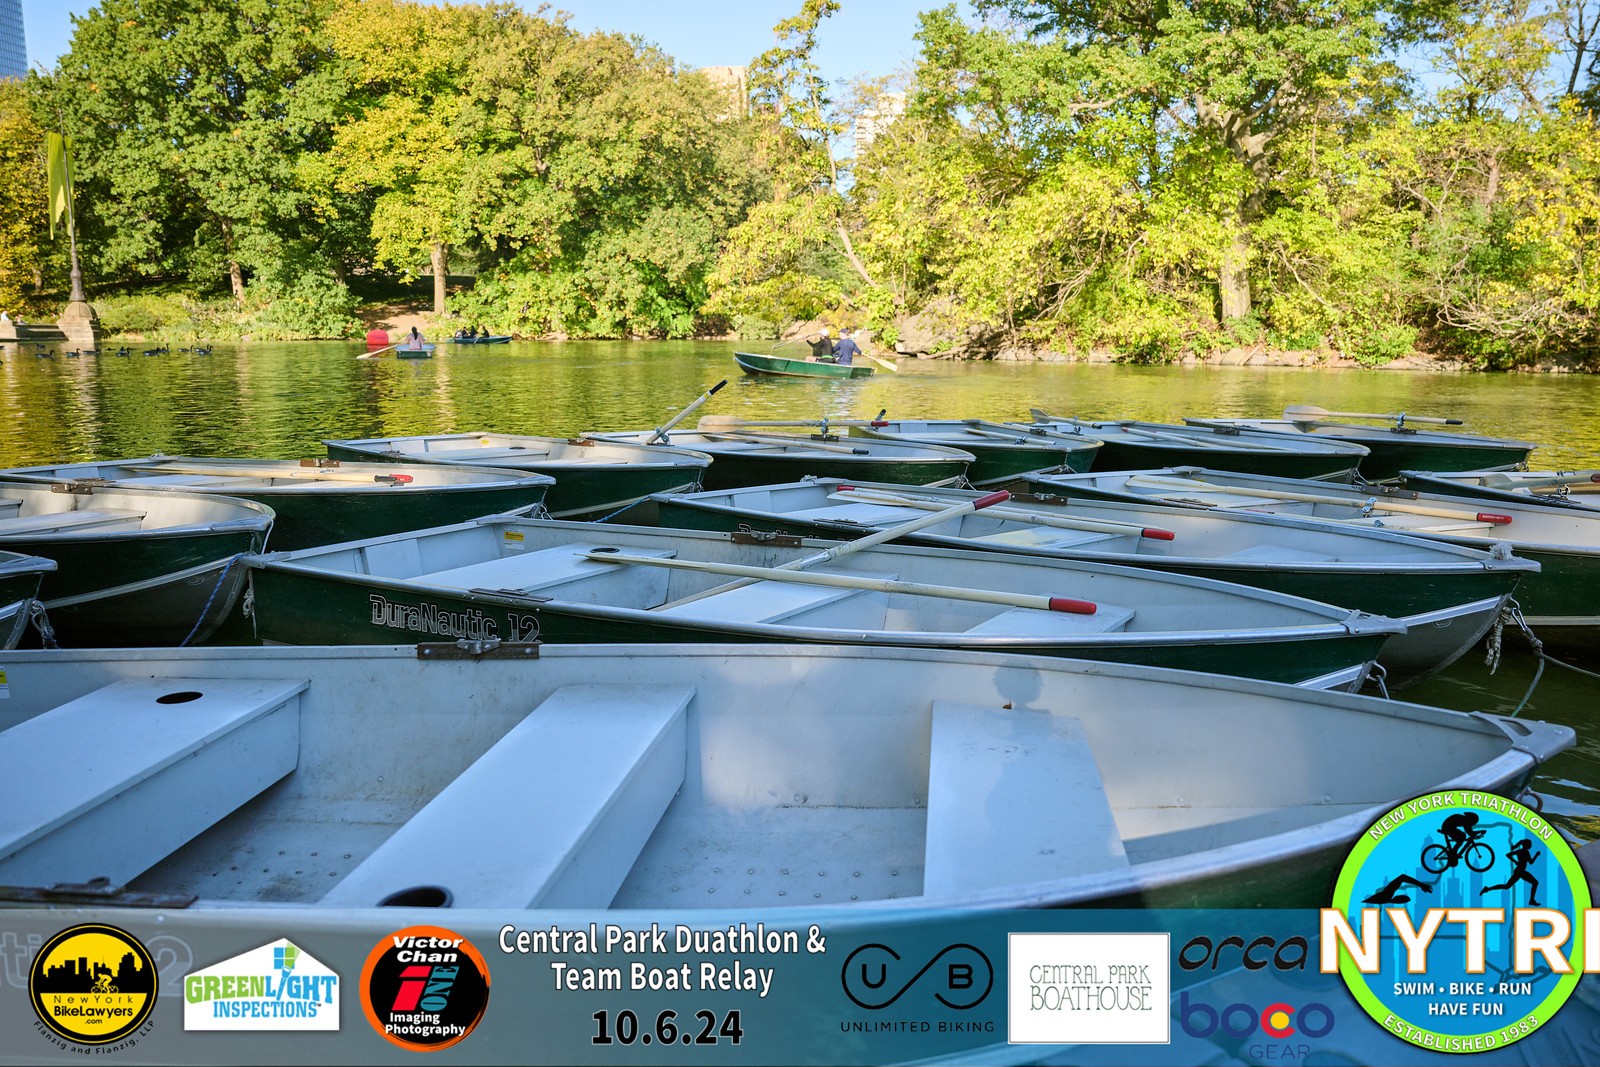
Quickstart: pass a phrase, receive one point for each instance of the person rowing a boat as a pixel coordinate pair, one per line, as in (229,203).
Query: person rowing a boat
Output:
(414,340)
(821,346)
(846,350)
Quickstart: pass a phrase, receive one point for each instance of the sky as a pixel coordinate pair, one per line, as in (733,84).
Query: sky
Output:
(866,37)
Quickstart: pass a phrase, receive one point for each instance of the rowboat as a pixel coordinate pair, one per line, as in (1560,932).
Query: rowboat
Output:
(423,351)
(1129,445)
(1561,600)
(593,478)
(752,363)
(566,582)
(318,502)
(1447,595)
(493,339)
(1393,448)
(698,780)
(753,457)
(133,567)
(19,587)
(1002,452)
(1562,489)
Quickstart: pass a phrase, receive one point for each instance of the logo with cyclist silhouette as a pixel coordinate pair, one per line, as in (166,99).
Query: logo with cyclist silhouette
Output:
(1458,921)
(93,984)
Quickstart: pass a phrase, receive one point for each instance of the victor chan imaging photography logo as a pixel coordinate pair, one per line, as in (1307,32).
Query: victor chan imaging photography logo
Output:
(424,988)
(1089,988)
(1461,922)
(278,986)
(93,984)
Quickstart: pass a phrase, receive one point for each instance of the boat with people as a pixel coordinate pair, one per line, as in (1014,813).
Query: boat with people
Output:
(480,339)
(751,455)
(20,576)
(754,363)
(517,578)
(1447,595)
(592,478)
(1561,601)
(1002,451)
(697,780)
(1392,449)
(133,567)
(1134,445)
(1560,489)
(317,501)
(411,351)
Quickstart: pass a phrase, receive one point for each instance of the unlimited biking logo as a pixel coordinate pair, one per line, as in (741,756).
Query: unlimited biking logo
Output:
(1461,922)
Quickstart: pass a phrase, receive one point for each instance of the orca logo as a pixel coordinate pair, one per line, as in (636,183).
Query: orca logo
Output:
(958,976)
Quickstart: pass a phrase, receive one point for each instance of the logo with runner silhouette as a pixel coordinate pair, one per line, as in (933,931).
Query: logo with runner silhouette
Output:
(93,984)
(1457,921)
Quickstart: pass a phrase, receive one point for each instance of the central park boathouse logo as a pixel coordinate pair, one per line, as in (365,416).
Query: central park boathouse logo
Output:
(1461,922)
(424,988)
(275,987)
(93,984)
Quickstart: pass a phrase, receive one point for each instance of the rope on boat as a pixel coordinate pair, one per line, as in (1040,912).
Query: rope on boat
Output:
(226,567)
(1512,613)
(41,622)
(1380,678)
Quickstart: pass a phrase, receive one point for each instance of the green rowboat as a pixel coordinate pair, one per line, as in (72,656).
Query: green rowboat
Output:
(1392,449)
(756,457)
(1559,489)
(1143,445)
(1001,452)
(779,366)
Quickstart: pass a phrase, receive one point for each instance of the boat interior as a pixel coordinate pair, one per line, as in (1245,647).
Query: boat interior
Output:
(35,510)
(681,776)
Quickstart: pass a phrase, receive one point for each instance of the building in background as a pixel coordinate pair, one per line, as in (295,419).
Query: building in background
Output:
(13,44)
(875,120)
(733,82)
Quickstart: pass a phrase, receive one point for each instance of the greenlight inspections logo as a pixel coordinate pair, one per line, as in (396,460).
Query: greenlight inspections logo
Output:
(1460,922)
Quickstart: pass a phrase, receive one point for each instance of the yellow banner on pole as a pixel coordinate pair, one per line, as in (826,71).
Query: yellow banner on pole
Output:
(58,171)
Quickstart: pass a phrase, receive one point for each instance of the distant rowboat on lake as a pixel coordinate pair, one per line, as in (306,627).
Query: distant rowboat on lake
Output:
(754,363)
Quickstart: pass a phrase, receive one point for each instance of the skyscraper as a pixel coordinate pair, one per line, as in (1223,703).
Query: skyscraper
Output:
(13,44)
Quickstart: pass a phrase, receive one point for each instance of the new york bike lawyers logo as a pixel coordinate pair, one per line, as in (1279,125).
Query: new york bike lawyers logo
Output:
(93,984)
(424,988)
(1458,922)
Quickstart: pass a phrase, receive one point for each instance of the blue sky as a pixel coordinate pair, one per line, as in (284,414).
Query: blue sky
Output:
(866,37)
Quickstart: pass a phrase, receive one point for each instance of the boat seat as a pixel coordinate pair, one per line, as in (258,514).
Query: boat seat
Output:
(1013,797)
(862,514)
(554,815)
(1045,537)
(82,519)
(551,568)
(1278,554)
(9,507)
(113,782)
(476,455)
(769,601)
(1035,622)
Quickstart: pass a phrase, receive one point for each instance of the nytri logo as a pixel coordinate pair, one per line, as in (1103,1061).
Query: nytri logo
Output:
(958,976)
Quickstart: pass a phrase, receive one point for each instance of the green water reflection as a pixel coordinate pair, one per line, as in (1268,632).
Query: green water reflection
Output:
(281,400)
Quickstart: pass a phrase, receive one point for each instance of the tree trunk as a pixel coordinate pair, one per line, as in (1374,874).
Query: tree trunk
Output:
(1234,277)
(236,279)
(441,256)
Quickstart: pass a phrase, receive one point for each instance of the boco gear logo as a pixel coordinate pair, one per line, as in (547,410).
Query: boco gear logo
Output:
(958,976)
(1460,922)
(93,984)
(424,988)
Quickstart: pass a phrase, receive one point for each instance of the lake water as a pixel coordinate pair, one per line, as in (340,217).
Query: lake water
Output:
(281,400)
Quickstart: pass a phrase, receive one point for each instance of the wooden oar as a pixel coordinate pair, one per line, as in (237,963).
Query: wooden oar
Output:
(773,438)
(880,496)
(1507,481)
(310,474)
(1369,503)
(378,352)
(661,431)
(1038,602)
(885,364)
(869,541)
(1309,413)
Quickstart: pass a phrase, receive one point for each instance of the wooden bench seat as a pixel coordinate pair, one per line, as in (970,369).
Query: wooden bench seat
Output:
(113,782)
(9,507)
(548,568)
(768,601)
(1014,796)
(1033,622)
(554,815)
(82,519)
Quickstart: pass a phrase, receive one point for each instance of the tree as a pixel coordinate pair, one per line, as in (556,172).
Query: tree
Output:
(23,222)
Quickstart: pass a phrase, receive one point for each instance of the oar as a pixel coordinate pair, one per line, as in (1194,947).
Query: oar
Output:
(871,540)
(378,352)
(1372,503)
(1038,602)
(1506,481)
(1309,413)
(775,438)
(661,431)
(885,364)
(714,423)
(881,496)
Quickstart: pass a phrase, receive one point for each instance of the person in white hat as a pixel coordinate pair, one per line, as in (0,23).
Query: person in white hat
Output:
(822,346)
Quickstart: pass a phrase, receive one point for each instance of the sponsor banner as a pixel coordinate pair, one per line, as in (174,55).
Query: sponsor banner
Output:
(806,986)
